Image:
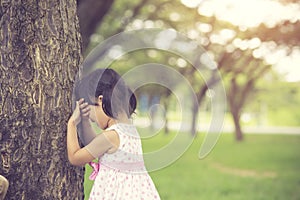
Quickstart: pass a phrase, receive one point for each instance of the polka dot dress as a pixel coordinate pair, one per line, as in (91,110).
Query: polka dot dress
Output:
(122,174)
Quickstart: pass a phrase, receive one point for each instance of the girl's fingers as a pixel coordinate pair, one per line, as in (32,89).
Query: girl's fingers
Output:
(83,105)
(86,114)
(76,114)
(85,110)
(81,101)
(77,105)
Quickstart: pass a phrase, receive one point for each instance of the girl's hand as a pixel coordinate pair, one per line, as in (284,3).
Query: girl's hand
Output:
(82,111)
(76,118)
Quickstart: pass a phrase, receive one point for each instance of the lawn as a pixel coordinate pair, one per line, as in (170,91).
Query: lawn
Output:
(263,167)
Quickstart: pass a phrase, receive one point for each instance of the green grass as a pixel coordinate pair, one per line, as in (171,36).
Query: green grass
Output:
(263,167)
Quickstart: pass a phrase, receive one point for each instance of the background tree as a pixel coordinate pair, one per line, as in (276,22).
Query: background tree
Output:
(206,30)
(209,32)
(91,13)
(40,55)
(241,84)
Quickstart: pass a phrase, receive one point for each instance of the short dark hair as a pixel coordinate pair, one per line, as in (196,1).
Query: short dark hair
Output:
(117,96)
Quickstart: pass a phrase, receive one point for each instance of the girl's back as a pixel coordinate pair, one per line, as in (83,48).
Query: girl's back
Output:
(122,174)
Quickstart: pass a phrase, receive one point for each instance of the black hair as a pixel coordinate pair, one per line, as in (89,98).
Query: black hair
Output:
(117,96)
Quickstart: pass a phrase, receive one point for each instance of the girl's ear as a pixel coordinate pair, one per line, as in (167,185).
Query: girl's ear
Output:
(100,98)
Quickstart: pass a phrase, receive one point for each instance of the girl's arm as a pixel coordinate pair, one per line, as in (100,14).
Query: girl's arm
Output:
(80,156)
(87,133)
(77,156)
(97,147)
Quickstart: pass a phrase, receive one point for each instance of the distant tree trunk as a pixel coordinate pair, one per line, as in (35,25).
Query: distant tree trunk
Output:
(166,105)
(236,120)
(237,96)
(235,105)
(91,13)
(195,112)
(40,55)
(200,97)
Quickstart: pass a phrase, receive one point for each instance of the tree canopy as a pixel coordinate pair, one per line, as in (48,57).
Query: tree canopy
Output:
(237,51)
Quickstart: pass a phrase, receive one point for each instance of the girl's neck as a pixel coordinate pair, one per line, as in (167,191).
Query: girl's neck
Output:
(122,118)
(111,122)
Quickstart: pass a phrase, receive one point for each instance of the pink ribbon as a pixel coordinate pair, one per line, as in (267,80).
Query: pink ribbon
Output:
(96,167)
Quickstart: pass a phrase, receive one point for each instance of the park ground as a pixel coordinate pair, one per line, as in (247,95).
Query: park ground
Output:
(262,167)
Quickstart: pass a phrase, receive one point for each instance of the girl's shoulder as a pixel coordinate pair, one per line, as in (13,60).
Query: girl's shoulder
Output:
(123,128)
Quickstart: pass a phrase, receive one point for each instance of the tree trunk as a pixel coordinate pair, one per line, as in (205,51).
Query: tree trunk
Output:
(40,55)
(196,104)
(195,112)
(91,13)
(166,105)
(236,101)
(237,125)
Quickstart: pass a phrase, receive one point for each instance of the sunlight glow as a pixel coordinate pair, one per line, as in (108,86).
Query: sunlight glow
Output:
(204,27)
(247,44)
(227,34)
(290,66)
(181,63)
(174,16)
(250,13)
(247,14)
(193,34)
(191,3)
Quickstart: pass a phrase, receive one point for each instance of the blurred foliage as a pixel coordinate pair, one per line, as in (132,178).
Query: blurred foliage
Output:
(275,102)
(237,56)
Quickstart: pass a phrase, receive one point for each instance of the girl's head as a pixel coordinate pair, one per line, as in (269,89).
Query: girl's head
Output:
(106,88)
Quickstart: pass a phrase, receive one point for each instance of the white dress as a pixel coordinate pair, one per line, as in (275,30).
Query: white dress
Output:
(122,174)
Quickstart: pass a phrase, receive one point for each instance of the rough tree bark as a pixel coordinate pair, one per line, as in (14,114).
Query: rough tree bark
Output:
(40,55)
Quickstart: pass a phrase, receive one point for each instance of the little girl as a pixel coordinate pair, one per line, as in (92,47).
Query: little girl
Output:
(120,173)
